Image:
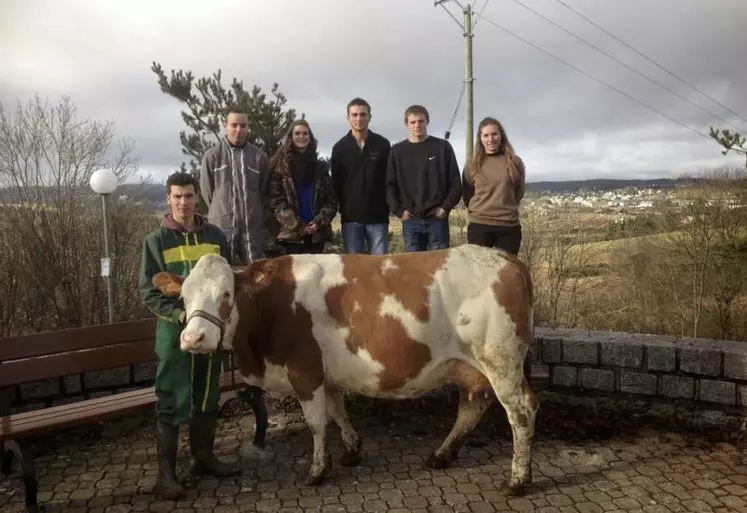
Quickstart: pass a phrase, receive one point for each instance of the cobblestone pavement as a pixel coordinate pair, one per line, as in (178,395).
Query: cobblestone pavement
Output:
(112,468)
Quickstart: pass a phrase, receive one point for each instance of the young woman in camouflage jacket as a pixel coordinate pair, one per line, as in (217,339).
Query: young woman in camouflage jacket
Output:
(301,193)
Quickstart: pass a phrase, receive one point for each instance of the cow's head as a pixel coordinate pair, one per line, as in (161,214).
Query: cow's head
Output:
(210,299)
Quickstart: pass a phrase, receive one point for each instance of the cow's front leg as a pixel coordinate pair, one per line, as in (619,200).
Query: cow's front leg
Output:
(315,413)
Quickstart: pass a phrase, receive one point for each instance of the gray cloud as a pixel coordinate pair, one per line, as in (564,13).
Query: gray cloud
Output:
(394,53)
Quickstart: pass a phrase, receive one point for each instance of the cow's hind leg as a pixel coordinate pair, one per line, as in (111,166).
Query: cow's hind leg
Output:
(315,414)
(469,414)
(351,441)
(513,391)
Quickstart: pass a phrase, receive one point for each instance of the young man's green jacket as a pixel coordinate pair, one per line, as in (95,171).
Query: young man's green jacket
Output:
(174,249)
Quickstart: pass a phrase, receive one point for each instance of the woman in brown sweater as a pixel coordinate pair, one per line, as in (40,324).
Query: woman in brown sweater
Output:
(492,188)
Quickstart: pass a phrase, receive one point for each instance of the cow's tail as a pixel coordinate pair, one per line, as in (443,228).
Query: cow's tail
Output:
(526,275)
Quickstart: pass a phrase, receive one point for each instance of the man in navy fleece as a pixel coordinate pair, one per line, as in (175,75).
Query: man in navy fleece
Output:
(423,184)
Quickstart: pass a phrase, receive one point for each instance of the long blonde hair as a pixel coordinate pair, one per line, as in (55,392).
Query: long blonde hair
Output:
(280,162)
(479,155)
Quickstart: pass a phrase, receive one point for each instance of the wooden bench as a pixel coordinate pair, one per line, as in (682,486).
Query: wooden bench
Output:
(53,355)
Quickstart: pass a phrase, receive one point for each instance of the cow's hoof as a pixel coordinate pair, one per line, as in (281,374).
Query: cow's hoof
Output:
(515,489)
(438,462)
(316,473)
(350,458)
(315,478)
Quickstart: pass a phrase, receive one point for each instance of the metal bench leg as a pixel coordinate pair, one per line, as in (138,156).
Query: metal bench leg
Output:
(12,448)
(6,458)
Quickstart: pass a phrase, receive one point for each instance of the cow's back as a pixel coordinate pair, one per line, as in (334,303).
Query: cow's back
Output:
(383,322)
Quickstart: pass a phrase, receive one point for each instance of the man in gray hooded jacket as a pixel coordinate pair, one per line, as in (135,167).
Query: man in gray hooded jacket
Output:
(234,182)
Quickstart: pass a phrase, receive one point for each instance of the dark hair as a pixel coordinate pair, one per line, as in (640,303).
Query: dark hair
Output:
(417,110)
(479,155)
(358,102)
(232,109)
(180,179)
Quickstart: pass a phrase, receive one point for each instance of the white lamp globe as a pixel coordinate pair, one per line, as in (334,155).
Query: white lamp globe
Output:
(103,181)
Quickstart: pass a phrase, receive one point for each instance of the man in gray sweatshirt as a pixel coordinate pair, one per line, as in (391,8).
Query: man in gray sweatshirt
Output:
(234,182)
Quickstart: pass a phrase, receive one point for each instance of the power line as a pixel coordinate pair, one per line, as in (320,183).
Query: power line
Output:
(620,62)
(509,32)
(469,79)
(456,111)
(652,61)
(441,3)
(482,10)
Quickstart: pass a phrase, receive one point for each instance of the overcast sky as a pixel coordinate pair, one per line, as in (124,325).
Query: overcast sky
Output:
(398,52)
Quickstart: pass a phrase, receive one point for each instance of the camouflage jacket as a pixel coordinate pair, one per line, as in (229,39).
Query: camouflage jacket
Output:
(284,204)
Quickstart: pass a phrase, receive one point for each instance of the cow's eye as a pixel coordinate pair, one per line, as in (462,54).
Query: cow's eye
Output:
(226,295)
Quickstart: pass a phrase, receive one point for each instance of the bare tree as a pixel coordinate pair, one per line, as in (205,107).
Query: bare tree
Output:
(569,272)
(531,237)
(47,156)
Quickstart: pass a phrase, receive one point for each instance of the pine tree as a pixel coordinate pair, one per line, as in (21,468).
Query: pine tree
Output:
(731,141)
(206,101)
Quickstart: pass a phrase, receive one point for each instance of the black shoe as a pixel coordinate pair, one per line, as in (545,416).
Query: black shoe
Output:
(168,486)
(201,441)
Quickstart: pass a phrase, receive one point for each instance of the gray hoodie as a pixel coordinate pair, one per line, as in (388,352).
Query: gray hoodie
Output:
(234,182)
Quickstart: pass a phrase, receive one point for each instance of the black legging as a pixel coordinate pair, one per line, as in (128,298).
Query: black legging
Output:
(507,238)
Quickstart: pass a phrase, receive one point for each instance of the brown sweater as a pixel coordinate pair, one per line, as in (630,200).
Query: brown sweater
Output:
(492,199)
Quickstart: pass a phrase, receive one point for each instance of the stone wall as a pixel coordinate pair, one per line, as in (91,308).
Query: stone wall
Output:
(699,371)
(712,372)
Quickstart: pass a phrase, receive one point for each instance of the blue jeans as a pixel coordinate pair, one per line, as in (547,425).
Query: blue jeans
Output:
(375,236)
(425,234)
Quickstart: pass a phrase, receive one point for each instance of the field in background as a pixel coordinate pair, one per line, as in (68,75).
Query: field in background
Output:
(673,265)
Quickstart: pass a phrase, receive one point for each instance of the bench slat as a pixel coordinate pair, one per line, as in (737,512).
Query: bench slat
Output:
(80,407)
(76,362)
(90,410)
(51,342)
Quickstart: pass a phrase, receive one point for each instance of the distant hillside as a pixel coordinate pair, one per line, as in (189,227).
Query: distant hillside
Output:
(153,196)
(602,184)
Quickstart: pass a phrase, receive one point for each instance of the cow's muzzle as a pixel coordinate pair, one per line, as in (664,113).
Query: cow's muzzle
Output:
(214,320)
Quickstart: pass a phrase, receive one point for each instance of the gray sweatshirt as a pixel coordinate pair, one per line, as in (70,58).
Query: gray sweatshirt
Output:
(234,182)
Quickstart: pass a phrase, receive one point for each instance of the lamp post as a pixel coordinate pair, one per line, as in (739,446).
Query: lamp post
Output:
(103,183)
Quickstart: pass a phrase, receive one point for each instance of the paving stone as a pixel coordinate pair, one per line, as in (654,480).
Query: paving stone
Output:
(653,472)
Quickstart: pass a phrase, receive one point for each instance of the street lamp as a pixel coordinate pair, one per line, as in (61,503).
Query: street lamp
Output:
(104,182)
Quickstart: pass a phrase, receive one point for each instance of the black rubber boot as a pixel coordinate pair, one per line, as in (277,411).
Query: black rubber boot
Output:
(201,441)
(168,486)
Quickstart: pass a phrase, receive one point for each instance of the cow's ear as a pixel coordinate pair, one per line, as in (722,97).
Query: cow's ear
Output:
(169,284)
(257,276)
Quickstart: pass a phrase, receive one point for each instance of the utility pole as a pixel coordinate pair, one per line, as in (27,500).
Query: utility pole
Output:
(468,77)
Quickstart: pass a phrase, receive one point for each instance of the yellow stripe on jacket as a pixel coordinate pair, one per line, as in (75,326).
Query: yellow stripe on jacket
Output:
(190,253)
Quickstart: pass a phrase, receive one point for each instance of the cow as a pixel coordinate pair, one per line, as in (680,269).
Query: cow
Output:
(386,326)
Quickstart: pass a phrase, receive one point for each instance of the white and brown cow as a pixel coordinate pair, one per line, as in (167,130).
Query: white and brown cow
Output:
(394,326)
